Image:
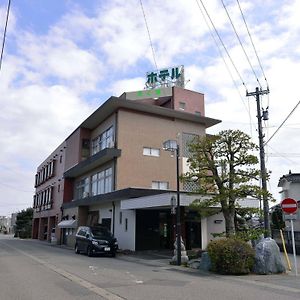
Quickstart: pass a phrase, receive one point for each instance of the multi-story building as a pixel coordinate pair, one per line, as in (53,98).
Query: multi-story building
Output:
(112,170)
(48,198)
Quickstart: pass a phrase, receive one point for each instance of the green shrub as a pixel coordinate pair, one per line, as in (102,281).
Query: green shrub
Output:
(231,256)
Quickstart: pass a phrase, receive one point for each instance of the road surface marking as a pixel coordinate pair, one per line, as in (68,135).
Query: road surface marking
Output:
(92,287)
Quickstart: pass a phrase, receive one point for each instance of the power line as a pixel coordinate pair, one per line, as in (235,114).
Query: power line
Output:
(241,44)
(149,36)
(249,34)
(226,65)
(282,123)
(221,41)
(281,155)
(4,34)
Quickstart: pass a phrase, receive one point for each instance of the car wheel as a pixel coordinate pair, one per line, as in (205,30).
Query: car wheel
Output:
(113,254)
(76,249)
(89,251)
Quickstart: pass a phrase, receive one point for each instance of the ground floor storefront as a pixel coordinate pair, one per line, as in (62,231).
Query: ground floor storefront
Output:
(145,222)
(44,228)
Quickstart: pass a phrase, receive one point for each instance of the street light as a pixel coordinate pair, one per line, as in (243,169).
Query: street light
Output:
(172,146)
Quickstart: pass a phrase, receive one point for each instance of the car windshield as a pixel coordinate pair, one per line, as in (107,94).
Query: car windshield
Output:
(101,232)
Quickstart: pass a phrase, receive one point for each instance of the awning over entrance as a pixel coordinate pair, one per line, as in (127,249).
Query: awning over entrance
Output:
(158,201)
(67,224)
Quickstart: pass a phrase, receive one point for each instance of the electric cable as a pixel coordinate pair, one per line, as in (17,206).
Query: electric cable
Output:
(282,123)
(4,34)
(281,155)
(149,36)
(241,44)
(221,41)
(226,65)
(249,34)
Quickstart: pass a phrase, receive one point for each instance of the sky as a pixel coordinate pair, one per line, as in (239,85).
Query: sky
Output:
(63,59)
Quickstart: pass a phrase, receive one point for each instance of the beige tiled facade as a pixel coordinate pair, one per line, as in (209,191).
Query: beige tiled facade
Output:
(93,180)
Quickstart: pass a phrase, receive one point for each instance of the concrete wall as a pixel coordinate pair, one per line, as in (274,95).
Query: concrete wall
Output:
(110,121)
(126,238)
(73,151)
(211,225)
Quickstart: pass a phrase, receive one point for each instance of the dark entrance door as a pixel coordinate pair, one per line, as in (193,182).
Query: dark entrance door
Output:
(153,230)
(193,234)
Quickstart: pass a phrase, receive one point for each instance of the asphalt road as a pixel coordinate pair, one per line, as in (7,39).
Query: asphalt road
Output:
(32,270)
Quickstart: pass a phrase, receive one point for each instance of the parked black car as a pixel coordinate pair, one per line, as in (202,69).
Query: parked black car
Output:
(95,240)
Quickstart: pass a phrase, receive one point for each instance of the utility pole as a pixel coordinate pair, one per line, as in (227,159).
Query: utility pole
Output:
(263,171)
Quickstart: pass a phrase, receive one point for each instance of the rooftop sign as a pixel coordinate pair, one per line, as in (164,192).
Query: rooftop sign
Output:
(167,77)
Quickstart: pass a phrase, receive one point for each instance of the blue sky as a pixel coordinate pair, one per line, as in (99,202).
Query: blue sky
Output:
(64,58)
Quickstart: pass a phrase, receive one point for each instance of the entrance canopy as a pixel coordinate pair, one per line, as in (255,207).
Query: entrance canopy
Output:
(161,200)
(67,224)
(164,201)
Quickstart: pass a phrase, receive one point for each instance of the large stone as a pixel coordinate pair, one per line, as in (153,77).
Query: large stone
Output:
(194,263)
(205,263)
(268,258)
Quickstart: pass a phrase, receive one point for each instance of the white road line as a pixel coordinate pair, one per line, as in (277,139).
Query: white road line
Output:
(86,284)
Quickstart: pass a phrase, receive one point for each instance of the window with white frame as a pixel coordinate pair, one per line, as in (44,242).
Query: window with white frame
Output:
(160,185)
(104,140)
(151,151)
(82,188)
(102,182)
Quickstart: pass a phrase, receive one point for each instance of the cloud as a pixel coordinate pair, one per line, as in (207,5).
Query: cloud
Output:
(51,81)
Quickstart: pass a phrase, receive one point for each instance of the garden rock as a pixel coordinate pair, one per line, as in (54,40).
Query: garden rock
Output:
(268,258)
(205,263)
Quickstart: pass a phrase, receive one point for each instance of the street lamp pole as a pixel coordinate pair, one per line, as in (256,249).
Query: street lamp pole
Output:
(173,146)
(178,224)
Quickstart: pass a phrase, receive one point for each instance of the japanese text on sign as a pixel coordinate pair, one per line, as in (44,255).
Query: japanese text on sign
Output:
(165,78)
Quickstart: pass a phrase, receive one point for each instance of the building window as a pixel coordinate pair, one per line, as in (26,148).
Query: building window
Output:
(198,113)
(151,151)
(160,185)
(120,217)
(182,105)
(104,140)
(60,159)
(126,224)
(82,188)
(102,182)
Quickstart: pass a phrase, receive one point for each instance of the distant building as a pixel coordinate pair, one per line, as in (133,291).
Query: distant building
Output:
(290,184)
(5,224)
(13,222)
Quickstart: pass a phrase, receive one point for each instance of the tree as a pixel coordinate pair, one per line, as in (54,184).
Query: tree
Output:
(277,218)
(24,223)
(224,167)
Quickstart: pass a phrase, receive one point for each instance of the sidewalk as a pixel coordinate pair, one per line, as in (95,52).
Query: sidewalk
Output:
(287,282)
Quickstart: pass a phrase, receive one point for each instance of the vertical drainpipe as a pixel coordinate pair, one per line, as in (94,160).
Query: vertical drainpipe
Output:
(113,217)
(115,173)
